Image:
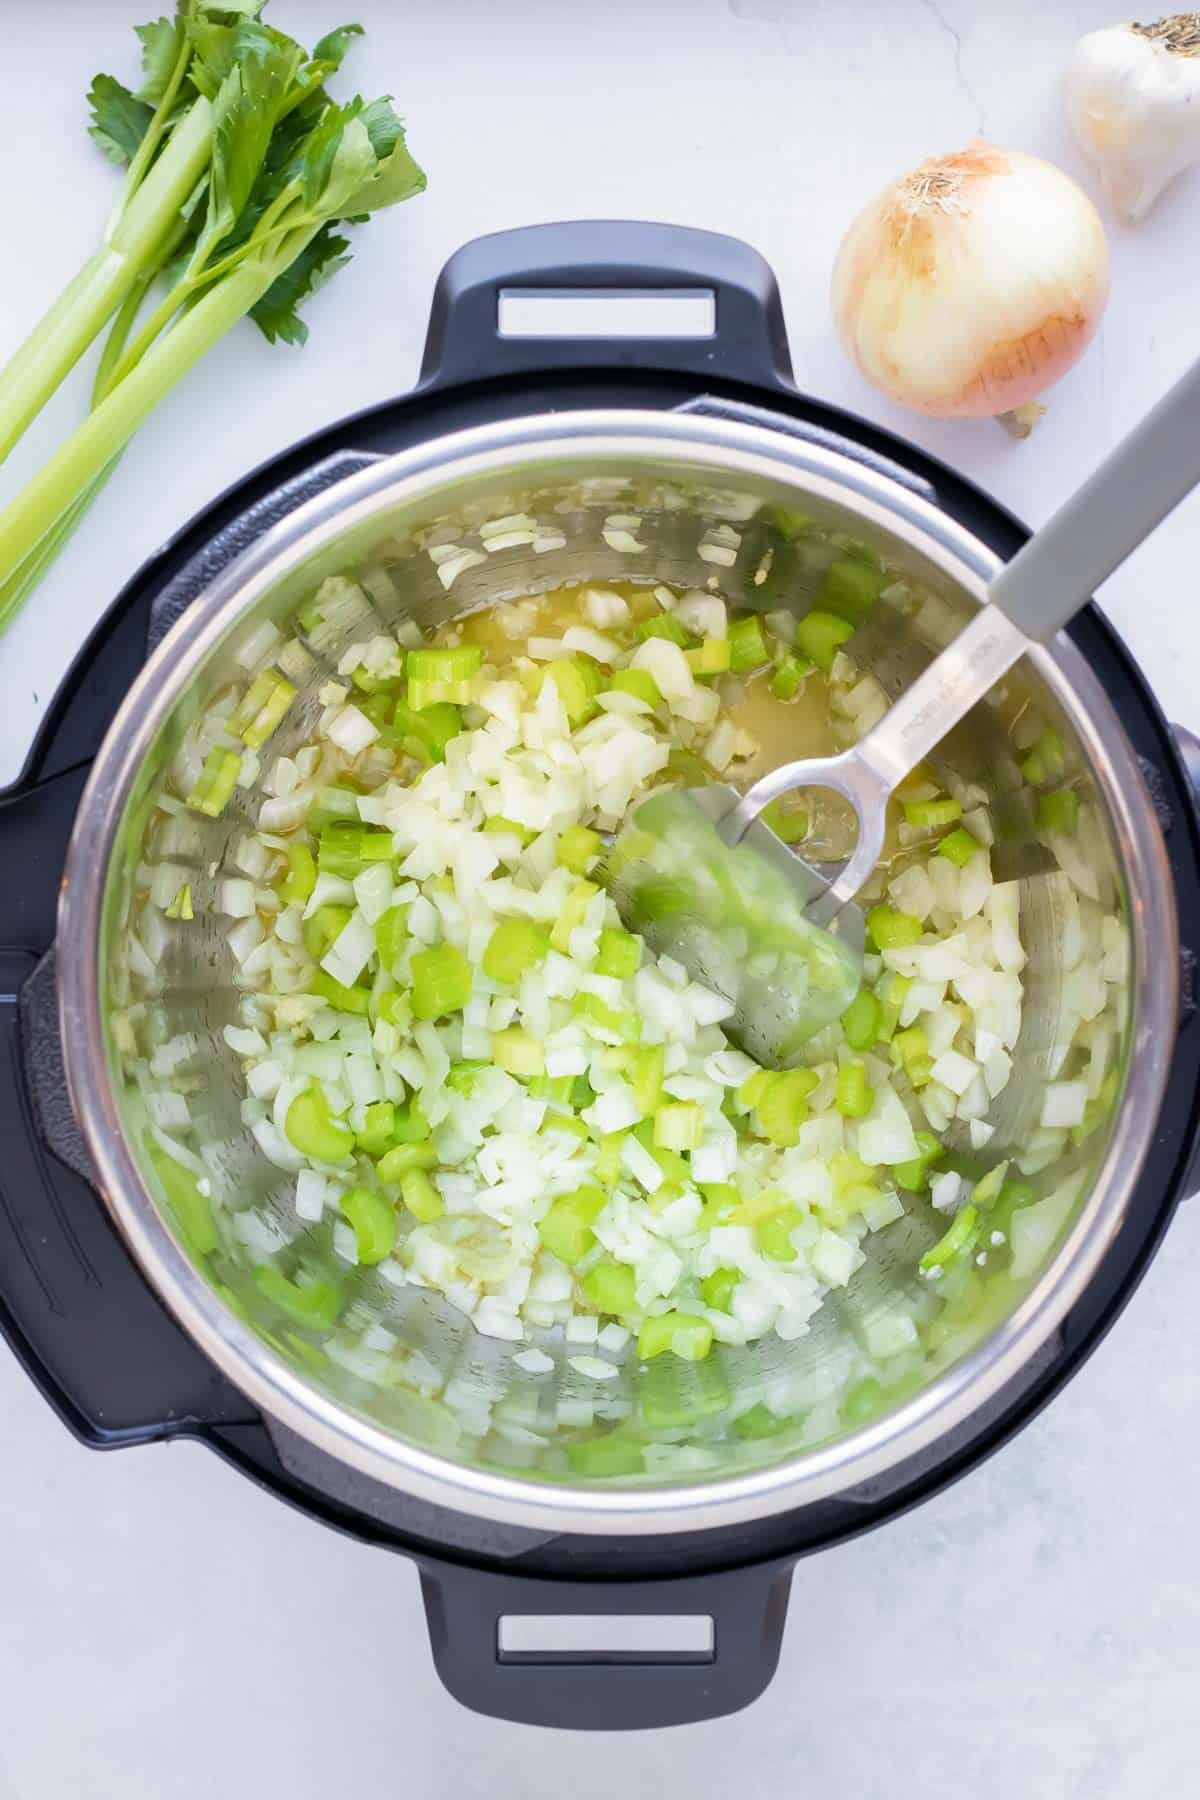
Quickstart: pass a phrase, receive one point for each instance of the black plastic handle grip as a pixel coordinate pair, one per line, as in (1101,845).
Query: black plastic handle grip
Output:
(598,256)
(613,1690)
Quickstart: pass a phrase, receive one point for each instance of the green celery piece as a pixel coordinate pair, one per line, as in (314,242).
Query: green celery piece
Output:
(346,850)
(781,1105)
(758,1422)
(191,1209)
(790,674)
(608,1158)
(712,656)
(301,877)
(518,1053)
(608,1455)
(457,664)
(854,1092)
(378,1128)
(566,1229)
(638,682)
(679,1125)
(344,999)
(395,1164)
(574,908)
(316,1304)
(820,635)
(686,1335)
(716,1290)
(959,847)
(664,625)
(391,935)
(514,947)
(931,815)
(263,708)
(1058,811)
(312,1129)
(611,1288)
(747,645)
(619,954)
(578,848)
(216,782)
(426,733)
(957,1242)
(374,1222)
(420,1196)
(578,682)
(861,1020)
(181,906)
(892,930)
(320,930)
(441,982)
(863,1401)
(850,588)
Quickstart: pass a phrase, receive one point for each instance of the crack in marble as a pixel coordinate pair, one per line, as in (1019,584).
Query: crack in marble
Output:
(948,28)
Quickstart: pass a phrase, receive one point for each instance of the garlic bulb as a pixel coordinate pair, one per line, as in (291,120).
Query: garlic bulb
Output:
(969,286)
(1133,99)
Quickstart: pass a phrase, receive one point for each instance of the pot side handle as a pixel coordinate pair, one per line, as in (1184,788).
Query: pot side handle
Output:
(605,1655)
(624,294)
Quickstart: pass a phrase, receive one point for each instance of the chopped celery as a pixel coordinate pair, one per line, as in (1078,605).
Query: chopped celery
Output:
(216,782)
(892,991)
(509,828)
(626,1027)
(710,657)
(931,815)
(611,1287)
(518,1053)
(181,906)
(687,767)
(464,1074)
(391,935)
(716,1290)
(892,930)
(619,954)
(687,1335)
(851,587)
(854,1092)
(861,1020)
(426,731)
(608,1455)
(910,1049)
(374,1223)
(396,1163)
(312,1129)
(773,1234)
(566,1229)
(791,825)
(1058,811)
(412,1127)
(578,848)
(638,682)
(914,1174)
(957,1241)
(574,907)
(1047,760)
(747,1095)
(319,931)
(758,1422)
(345,999)
(420,1196)
(441,981)
(781,1106)
(331,804)
(515,946)
(608,1158)
(301,877)
(820,634)
(441,677)
(721,1199)
(676,1171)
(679,1125)
(646,1077)
(747,645)
(863,1401)
(262,709)
(191,1209)
(578,682)
(959,847)
(558,1089)
(789,675)
(317,1304)
(345,849)
(567,1124)
(378,1128)
(664,625)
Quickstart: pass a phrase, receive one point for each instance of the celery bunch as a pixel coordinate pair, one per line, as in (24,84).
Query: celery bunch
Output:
(240,168)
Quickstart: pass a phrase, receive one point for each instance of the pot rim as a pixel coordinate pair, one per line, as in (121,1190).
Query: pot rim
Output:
(733,448)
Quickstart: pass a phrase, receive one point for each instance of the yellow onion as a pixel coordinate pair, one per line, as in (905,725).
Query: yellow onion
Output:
(972,284)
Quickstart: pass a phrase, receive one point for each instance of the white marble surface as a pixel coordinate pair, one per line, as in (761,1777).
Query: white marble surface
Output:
(166,1631)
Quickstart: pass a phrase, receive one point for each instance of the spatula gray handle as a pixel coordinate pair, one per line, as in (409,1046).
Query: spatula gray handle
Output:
(1031,598)
(1147,475)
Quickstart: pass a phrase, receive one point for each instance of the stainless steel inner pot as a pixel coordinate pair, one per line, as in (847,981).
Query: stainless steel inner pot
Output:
(444,1415)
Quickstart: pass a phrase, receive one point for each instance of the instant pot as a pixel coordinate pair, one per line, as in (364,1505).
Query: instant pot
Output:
(632,1601)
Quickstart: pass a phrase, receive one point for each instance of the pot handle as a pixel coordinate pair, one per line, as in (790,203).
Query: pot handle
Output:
(605,1655)
(713,302)
(1187,744)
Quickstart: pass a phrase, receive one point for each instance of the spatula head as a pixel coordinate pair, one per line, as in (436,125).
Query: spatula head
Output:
(735,917)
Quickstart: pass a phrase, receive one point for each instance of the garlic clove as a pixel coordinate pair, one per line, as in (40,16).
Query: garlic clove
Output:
(1133,102)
